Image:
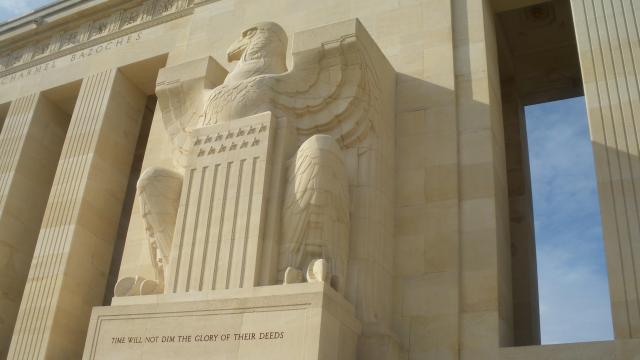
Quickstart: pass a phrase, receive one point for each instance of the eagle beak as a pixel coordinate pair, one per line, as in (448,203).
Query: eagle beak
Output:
(236,50)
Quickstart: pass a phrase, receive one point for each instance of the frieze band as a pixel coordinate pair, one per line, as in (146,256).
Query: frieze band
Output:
(106,28)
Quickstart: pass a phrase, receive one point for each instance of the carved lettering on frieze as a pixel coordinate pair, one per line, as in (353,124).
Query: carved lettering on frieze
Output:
(74,57)
(120,20)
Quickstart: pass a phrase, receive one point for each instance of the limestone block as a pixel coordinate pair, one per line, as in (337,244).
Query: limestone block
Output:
(299,321)
(597,350)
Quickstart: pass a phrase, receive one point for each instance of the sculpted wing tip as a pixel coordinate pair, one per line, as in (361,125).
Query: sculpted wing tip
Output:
(159,192)
(315,213)
(331,90)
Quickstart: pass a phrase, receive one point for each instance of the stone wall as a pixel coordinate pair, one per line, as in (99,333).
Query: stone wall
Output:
(442,284)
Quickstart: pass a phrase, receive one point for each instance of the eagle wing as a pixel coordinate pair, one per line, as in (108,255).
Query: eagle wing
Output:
(180,106)
(316,204)
(295,214)
(331,89)
(159,192)
(181,91)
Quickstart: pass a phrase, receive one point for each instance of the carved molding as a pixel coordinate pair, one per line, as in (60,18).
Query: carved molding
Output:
(115,24)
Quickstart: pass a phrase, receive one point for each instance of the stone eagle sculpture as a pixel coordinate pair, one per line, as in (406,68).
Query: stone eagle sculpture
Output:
(330,97)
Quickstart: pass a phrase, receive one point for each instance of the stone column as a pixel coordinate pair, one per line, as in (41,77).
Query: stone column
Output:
(427,237)
(486,309)
(73,252)
(524,276)
(607,35)
(30,146)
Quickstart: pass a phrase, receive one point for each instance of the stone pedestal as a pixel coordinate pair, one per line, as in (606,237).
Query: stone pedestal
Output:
(301,321)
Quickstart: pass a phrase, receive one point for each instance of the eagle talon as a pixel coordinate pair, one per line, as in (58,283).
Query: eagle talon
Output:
(318,271)
(292,276)
(136,286)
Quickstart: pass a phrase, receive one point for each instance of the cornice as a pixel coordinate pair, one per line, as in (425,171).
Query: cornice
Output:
(81,24)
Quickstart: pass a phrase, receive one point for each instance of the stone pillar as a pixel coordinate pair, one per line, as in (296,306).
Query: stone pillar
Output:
(30,146)
(486,309)
(427,238)
(524,275)
(73,252)
(607,35)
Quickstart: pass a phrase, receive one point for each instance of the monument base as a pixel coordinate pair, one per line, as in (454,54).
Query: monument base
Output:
(298,321)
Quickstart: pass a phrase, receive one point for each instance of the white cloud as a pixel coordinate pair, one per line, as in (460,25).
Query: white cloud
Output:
(574,294)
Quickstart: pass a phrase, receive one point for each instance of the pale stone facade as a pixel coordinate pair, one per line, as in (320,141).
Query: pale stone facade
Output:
(366,153)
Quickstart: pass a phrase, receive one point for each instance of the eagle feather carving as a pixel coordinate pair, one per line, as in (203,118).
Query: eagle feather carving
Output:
(331,89)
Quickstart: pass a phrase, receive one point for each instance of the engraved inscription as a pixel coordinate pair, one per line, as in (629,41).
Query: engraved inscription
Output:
(200,338)
(26,73)
(75,57)
(109,45)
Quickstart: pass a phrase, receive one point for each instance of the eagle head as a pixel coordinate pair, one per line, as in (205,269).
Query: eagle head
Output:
(262,50)
(260,41)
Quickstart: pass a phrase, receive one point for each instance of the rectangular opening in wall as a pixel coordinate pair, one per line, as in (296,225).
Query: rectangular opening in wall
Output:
(143,74)
(572,273)
(44,143)
(559,278)
(42,148)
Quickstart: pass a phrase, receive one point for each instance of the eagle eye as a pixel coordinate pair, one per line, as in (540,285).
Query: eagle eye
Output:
(249,32)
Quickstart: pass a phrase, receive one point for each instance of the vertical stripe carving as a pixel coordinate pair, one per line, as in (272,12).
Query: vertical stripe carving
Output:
(608,41)
(12,139)
(222,207)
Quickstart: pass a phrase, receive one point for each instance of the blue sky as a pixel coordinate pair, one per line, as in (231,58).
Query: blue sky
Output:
(574,295)
(10,9)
